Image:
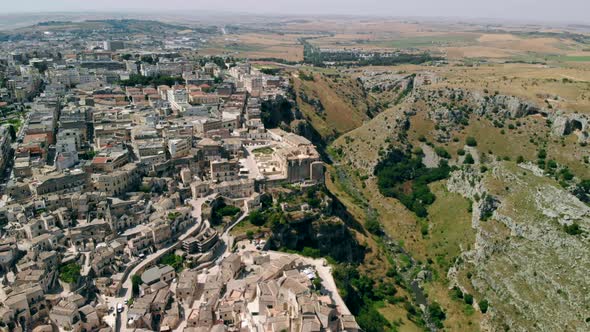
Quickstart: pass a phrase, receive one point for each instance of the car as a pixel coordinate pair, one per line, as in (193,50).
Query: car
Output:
(119,307)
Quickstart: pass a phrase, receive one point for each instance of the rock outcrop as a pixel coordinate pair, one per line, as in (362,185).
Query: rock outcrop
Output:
(565,124)
(532,272)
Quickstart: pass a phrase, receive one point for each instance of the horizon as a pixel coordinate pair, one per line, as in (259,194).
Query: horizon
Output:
(156,15)
(523,11)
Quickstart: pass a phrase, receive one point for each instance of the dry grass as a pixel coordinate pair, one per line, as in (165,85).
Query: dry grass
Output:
(343,103)
(397,314)
(257,45)
(458,316)
(457,53)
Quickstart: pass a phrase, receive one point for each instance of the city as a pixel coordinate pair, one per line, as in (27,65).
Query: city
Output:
(119,197)
(308,166)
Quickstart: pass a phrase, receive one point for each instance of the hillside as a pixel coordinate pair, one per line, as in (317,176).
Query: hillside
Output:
(486,242)
(332,103)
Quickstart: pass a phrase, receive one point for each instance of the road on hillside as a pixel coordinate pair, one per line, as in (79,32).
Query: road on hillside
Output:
(126,288)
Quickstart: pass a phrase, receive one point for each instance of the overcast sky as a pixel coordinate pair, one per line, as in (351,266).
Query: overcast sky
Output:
(526,10)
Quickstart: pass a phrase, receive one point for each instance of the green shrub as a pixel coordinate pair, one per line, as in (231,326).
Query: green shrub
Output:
(371,320)
(405,178)
(174,261)
(373,226)
(437,314)
(483,305)
(311,252)
(256,218)
(573,229)
(135,283)
(456,293)
(566,174)
(441,152)
(470,141)
(228,211)
(70,273)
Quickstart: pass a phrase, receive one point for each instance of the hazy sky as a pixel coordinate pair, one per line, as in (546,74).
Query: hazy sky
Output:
(542,10)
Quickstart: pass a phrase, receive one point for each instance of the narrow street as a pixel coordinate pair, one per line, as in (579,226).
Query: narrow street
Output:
(125,292)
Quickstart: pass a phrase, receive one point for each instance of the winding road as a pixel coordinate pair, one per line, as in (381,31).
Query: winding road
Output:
(126,289)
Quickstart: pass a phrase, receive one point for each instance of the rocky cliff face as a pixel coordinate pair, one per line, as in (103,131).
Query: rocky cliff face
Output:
(565,124)
(497,107)
(329,235)
(533,273)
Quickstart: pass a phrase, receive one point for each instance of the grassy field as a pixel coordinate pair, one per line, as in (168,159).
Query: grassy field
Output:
(432,41)
(450,230)
(396,314)
(257,45)
(244,227)
(457,41)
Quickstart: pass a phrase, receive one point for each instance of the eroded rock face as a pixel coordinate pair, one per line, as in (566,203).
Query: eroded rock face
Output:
(565,124)
(497,107)
(514,107)
(533,273)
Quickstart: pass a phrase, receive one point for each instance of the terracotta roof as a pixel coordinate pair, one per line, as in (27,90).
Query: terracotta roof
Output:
(100,160)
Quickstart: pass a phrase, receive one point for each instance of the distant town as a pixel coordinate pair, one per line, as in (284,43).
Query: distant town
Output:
(125,165)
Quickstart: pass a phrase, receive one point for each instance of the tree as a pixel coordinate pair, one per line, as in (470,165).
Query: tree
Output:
(12,132)
(582,191)
(468,299)
(135,282)
(70,273)
(257,218)
(456,293)
(468,159)
(275,111)
(397,172)
(265,201)
(41,66)
(437,314)
(470,141)
(566,174)
(317,283)
(173,261)
(371,320)
(373,226)
(573,229)
(483,306)
(148,59)
(441,152)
